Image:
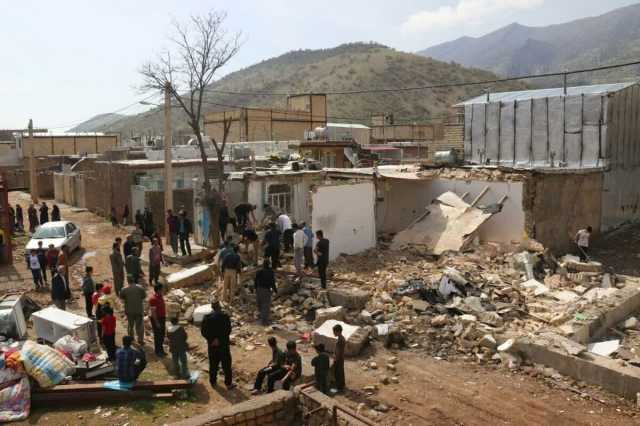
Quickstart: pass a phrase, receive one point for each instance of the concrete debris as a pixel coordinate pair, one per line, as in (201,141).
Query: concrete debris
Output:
(605,348)
(439,321)
(190,277)
(449,224)
(356,337)
(487,341)
(631,323)
(348,298)
(325,314)
(506,346)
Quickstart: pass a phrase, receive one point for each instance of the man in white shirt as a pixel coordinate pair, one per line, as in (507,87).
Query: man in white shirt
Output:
(299,241)
(582,240)
(36,272)
(284,223)
(284,226)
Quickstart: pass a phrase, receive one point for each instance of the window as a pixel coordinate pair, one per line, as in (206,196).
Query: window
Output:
(279,197)
(49,232)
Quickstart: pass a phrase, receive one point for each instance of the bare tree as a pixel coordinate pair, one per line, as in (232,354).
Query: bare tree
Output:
(200,49)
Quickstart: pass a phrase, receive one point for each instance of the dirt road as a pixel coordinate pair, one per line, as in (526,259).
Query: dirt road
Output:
(430,391)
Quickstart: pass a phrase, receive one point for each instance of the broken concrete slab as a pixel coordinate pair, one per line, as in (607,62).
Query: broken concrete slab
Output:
(352,299)
(325,314)
(631,323)
(449,224)
(195,257)
(605,348)
(190,276)
(573,264)
(419,305)
(356,337)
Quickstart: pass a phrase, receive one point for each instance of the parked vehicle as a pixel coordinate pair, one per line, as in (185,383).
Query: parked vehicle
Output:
(56,233)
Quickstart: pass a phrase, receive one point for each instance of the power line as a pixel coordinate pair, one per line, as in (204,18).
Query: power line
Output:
(124,108)
(433,86)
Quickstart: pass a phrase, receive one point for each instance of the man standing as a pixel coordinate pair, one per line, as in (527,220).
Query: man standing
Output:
(44,213)
(59,289)
(265,283)
(19,218)
(242,211)
(125,215)
(133,267)
(321,364)
(272,245)
(130,362)
(155,262)
(127,247)
(137,238)
(88,288)
(172,224)
(117,268)
(231,266)
(158,316)
(308,246)
(582,241)
(216,329)
(224,219)
(285,228)
(133,296)
(32,213)
(274,366)
(55,213)
(178,347)
(184,230)
(250,238)
(322,254)
(36,271)
(338,359)
(148,227)
(63,260)
(292,369)
(299,241)
(42,258)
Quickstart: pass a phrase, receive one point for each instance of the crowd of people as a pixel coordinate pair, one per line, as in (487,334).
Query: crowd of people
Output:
(35,216)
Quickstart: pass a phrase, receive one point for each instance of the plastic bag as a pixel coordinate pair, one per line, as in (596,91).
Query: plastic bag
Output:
(45,365)
(71,345)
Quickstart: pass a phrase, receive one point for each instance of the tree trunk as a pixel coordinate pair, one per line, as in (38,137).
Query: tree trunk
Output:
(212,200)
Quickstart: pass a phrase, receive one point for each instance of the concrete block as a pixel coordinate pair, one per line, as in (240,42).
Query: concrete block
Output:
(334,313)
(355,299)
(190,277)
(356,337)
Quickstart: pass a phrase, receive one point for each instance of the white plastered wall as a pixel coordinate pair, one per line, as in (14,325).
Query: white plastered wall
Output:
(345,213)
(405,200)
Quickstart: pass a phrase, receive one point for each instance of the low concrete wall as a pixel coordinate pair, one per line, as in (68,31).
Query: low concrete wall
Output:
(276,409)
(604,372)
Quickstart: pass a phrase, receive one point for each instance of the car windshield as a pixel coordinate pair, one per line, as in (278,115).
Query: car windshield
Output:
(49,232)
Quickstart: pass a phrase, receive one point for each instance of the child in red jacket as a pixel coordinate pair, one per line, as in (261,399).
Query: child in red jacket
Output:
(108,322)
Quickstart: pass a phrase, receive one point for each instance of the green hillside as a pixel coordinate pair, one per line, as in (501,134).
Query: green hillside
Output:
(346,67)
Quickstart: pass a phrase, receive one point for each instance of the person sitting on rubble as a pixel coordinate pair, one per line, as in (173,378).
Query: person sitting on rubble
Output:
(292,370)
(582,241)
(275,365)
(130,362)
(321,368)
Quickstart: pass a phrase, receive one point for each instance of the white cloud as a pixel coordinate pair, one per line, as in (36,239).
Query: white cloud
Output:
(464,12)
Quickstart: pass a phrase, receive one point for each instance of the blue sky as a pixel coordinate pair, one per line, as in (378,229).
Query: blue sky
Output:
(64,61)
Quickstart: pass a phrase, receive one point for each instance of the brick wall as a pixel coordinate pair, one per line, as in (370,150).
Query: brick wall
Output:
(275,409)
(453,139)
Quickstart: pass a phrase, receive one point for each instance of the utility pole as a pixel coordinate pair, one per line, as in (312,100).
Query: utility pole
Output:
(33,175)
(168,142)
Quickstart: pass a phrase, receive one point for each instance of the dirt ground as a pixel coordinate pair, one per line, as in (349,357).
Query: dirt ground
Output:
(430,391)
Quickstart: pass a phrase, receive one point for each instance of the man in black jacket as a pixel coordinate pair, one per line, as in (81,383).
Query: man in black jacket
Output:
(265,283)
(60,289)
(184,230)
(216,329)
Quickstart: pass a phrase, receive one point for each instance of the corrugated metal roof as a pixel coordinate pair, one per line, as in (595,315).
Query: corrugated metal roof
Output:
(522,95)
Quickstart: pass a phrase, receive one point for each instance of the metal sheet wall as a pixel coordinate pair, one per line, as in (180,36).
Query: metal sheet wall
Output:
(544,132)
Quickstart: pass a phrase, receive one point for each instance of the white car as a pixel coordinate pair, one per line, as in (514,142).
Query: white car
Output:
(56,233)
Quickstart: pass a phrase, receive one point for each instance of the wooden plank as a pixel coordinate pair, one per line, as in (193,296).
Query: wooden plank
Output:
(475,201)
(98,386)
(105,396)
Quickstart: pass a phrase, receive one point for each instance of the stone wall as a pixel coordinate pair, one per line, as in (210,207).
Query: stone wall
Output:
(275,409)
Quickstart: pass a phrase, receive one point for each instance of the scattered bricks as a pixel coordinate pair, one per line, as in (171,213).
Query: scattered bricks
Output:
(356,337)
(334,313)
(348,298)
(419,305)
